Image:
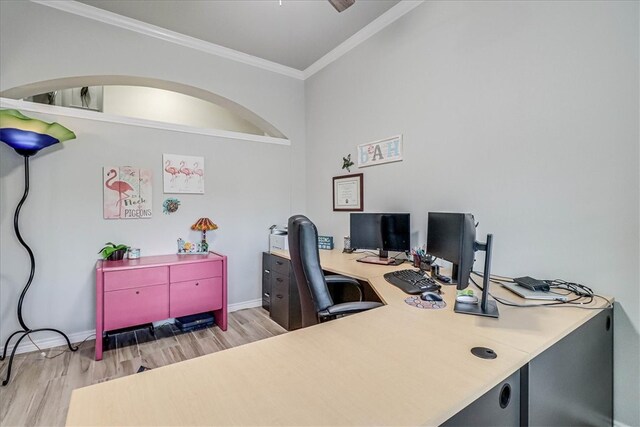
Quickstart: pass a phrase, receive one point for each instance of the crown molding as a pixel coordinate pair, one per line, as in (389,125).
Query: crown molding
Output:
(378,24)
(110,18)
(80,113)
(120,21)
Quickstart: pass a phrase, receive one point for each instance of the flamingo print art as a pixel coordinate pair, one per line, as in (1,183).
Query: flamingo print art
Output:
(198,171)
(185,171)
(171,170)
(120,186)
(183,174)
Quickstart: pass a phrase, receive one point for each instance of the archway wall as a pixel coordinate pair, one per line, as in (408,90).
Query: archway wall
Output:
(222,110)
(249,185)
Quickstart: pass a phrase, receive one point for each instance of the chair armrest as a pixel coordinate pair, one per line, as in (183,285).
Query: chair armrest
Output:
(349,307)
(336,278)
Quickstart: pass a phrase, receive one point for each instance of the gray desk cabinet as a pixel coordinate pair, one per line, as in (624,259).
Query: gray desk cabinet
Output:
(569,384)
(279,292)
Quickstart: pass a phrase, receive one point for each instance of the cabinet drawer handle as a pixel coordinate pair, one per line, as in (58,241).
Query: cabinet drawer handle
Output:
(197,283)
(279,262)
(279,279)
(279,296)
(137,292)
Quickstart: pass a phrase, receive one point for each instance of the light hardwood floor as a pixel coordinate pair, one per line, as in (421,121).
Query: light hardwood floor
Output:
(40,388)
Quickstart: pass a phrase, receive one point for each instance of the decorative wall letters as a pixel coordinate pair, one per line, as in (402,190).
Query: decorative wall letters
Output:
(379,152)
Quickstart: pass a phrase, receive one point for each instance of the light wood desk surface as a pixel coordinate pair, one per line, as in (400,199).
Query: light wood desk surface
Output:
(395,365)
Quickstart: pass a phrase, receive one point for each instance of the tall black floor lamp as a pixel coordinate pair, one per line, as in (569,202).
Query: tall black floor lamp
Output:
(28,136)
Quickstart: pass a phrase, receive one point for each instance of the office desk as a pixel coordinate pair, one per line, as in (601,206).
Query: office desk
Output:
(395,365)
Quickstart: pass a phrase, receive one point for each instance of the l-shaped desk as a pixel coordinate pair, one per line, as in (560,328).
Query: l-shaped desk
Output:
(394,365)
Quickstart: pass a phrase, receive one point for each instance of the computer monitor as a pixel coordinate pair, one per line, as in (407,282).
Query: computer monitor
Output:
(452,237)
(380,231)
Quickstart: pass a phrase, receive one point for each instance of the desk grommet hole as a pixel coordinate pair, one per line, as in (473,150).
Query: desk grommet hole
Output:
(483,353)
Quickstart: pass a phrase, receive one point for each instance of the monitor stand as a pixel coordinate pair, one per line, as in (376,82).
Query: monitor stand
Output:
(485,308)
(381,259)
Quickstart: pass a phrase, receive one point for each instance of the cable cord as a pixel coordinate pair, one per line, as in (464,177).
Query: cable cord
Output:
(583,294)
(63,351)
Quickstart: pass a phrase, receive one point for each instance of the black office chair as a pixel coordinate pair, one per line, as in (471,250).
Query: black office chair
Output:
(315,300)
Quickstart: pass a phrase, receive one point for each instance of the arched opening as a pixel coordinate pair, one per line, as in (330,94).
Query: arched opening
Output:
(148,99)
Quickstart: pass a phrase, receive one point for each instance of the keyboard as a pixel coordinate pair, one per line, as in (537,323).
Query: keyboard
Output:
(411,281)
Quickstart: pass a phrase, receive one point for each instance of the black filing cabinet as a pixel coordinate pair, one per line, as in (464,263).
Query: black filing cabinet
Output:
(279,292)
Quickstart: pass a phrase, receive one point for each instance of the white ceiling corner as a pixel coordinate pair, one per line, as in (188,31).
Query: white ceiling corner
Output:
(318,34)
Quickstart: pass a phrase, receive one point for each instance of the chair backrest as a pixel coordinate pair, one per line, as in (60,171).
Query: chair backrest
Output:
(305,260)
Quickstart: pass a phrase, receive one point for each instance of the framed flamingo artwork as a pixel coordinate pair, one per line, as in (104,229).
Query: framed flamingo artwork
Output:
(126,192)
(183,174)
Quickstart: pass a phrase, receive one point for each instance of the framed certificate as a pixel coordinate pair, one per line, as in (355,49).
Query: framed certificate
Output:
(348,192)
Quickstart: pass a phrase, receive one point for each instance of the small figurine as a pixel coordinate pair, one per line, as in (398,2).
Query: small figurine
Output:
(180,246)
(347,163)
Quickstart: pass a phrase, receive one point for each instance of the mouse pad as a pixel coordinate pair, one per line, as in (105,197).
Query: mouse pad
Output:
(431,305)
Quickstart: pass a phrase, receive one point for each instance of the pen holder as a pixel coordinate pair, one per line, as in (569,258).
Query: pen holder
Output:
(423,263)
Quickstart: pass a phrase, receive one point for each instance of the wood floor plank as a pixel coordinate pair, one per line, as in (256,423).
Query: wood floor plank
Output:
(40,387)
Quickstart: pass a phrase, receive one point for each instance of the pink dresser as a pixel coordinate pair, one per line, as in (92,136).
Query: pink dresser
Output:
(149,289)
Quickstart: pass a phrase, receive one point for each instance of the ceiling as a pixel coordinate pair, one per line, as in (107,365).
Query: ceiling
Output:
(295,34)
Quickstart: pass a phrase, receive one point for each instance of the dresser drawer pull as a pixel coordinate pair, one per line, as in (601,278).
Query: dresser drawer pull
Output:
(279,262)
(279,296)
(197,283)
(137,292)
(279,279)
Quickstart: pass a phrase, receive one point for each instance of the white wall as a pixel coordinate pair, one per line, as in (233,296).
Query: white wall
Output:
(249,185)
(523,113)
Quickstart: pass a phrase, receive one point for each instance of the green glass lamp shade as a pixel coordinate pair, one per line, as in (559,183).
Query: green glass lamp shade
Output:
(28,136)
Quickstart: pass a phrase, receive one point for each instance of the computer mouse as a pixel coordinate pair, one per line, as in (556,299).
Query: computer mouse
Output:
(430,296)
(467,299)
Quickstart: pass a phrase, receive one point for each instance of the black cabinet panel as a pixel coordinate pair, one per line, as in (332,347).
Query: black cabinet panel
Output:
(283,301)
(500,406)
(266,281)
(571,383)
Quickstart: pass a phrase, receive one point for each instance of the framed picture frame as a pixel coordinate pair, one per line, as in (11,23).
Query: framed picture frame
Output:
(348,192)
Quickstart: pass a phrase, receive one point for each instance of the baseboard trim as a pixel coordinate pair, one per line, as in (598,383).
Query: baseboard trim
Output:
(617,423)
(56,340)
(246,304)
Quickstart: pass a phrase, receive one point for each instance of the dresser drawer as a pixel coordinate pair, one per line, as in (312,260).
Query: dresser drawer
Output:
(135,278)
(195,271)
(195,296)
(128,307)
(279,299)
(280,265)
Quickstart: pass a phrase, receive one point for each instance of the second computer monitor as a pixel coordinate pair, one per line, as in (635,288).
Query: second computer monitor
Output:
(380,231)
(452,237)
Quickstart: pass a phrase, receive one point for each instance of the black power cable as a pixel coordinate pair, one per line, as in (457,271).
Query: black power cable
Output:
(583,294)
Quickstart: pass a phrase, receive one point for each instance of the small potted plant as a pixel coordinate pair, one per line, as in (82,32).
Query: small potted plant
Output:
(113,252)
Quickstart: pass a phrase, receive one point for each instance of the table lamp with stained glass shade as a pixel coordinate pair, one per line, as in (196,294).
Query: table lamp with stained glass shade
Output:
(27,136)
(204,225)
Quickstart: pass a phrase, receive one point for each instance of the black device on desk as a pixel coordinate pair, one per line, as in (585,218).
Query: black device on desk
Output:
(532,284)
(411,281)
(383,232)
